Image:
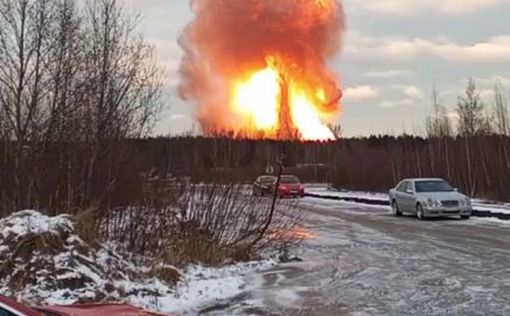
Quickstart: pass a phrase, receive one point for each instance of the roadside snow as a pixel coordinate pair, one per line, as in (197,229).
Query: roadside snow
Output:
(350,194)
(55,266)
(204,287)
(494,208)
(28,221)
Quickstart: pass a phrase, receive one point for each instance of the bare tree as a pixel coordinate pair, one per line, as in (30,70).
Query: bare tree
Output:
(438,124)
(471,112)
(72,82)
(24,42)
(122,89)
(501,114)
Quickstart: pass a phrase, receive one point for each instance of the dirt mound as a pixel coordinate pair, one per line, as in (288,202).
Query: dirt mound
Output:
(42,259)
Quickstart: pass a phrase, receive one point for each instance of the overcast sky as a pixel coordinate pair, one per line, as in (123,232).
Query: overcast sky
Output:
(395,51)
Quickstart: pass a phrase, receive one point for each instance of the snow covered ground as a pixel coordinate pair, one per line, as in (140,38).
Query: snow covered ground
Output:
(43,261)
(363,261)
(360,260)
(201,288)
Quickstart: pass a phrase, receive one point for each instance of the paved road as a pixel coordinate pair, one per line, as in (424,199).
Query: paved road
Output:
(366,262)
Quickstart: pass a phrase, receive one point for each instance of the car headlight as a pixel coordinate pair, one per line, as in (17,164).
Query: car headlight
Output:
(468,201)
(462,202)
(434,203)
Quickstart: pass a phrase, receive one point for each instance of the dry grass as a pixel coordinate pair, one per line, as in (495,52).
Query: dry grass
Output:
(86,225)
(208,224)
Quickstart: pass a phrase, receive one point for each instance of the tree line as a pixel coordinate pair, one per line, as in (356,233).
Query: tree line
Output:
(373,163)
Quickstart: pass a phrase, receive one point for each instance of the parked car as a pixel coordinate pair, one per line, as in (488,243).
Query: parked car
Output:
(263,185)
(290,186)
(426,198)
(10,308)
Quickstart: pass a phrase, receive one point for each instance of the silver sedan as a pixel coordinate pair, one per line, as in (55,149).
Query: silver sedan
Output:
(429,198)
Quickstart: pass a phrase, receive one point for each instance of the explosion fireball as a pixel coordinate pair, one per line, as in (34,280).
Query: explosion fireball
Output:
(258,68)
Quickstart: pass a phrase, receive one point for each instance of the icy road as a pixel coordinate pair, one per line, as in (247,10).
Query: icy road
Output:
(363,261)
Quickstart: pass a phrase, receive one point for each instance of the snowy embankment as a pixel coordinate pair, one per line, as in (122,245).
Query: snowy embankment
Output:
(44,261)
(481,208)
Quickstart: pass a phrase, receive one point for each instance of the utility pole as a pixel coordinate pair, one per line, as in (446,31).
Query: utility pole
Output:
(280,163)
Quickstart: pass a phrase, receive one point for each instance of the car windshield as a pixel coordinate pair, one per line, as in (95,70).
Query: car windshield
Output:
(266,180)
(433,186)
(289,180)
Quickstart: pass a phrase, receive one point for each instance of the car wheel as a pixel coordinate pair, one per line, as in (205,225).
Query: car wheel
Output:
(420,213)
(464,217)
(395,209)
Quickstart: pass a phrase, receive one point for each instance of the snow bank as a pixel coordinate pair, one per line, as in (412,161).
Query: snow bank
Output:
(349,196)
(26,222)
(44,261)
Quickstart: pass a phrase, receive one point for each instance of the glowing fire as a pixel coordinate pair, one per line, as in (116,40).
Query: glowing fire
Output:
(259,100)
(258,68)
(307,116)
(294,234)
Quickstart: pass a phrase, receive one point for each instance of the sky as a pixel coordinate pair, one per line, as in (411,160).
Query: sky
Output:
(395,52)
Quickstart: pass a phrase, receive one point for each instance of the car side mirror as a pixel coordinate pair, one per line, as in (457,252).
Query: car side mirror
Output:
(456,189)
(409,191)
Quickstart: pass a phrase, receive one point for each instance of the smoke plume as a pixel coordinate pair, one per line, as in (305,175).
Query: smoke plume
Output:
(230,39)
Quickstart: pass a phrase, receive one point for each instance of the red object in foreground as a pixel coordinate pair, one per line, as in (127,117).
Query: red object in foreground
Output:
(9,307)
(96,310)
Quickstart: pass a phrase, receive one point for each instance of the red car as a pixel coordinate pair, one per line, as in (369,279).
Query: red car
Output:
(11,308)
(290,186)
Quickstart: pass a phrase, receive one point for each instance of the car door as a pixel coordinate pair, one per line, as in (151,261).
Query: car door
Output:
(400,196)
(410,197)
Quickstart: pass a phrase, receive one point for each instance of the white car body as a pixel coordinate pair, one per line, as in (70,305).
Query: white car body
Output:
(405,198)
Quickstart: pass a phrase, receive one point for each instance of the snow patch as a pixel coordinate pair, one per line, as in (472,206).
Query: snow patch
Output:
(205,287)
(55,266)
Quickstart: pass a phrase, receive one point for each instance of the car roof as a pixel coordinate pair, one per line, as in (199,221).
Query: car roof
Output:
(267,177)
(424,179)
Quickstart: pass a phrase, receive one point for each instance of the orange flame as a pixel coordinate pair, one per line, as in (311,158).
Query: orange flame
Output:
(257,100)
(258,69)
(294,234)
